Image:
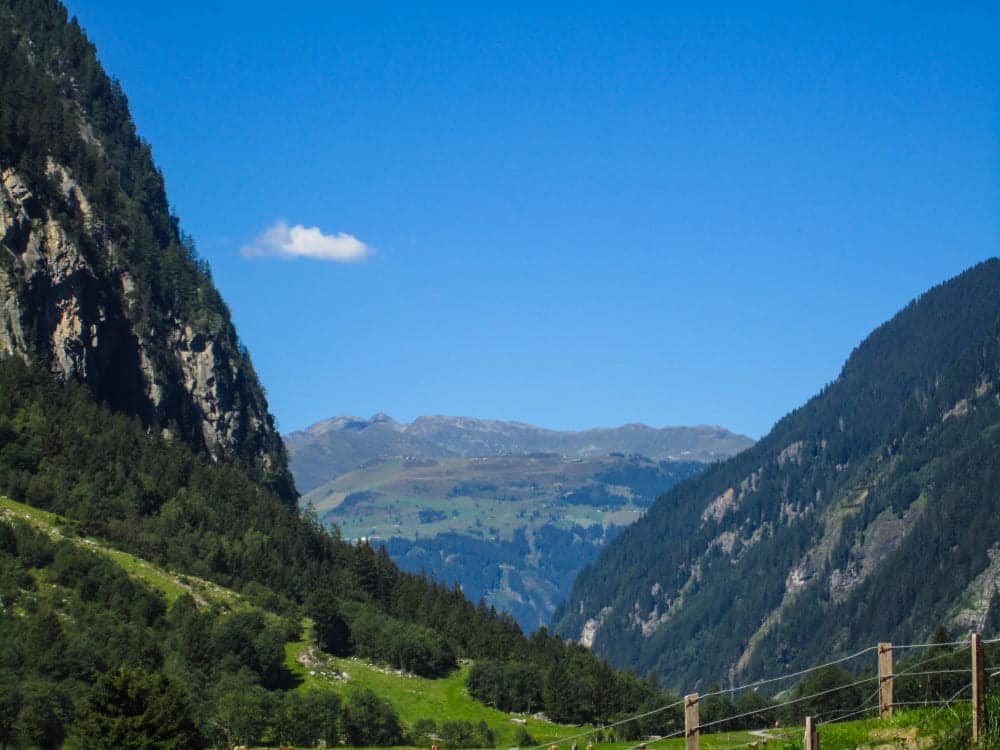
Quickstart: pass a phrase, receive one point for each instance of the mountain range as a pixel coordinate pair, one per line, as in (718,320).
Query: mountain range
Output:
(159,585)
(508,511)
(335,446)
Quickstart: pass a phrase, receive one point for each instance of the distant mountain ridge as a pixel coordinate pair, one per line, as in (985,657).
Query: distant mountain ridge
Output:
(339,444)
(871,513)
(509,511)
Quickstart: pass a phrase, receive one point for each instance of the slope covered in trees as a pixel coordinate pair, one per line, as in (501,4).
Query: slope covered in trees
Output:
(109,479)
(97,281)
(89,428)
(871,513)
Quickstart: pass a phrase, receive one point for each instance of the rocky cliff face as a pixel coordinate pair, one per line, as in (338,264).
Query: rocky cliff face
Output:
(96,281)
(70,302)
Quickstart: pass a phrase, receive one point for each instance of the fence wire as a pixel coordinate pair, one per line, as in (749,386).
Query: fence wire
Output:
(897,675)
(866,706)
(937,657)
(929,645)
(790,675)
(619,723)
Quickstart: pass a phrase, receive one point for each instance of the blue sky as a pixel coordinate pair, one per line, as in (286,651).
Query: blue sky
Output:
(571,215)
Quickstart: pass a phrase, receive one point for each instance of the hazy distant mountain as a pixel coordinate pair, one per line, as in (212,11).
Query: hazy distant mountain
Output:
(509,511)
(334,446)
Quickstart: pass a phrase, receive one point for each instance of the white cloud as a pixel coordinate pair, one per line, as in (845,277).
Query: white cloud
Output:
(307,242)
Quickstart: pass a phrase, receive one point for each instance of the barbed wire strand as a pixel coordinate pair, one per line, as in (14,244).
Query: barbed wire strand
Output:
(768,681)
(932,672)
(944,706)
(595,730)
(939,702)
(930,659)
(865,707)
(787,703)
(772,680)
(928,645)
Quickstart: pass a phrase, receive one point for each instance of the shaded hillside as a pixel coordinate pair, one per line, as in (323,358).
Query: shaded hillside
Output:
(75,630)
(332,447)
(871,513)
(97,282)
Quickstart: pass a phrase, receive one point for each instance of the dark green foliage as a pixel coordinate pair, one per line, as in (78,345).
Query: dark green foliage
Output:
(330,629)
(715,710)
(370,721)
(243,641)
(875,445)
(463,734)
(131,710)
(239,709)
(44,715)
(829,693)
(578,688)
(60,107)
(523,738)
(409,647)
(305,717)
(510,686)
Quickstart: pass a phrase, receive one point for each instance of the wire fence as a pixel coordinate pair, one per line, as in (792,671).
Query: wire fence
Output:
(870,705)
(791,675)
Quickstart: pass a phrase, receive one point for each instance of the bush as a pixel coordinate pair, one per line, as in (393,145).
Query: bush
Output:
(464,734)
(370,721)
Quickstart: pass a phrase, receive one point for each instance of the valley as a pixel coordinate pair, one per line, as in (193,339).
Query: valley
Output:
(175,574)
(470,504)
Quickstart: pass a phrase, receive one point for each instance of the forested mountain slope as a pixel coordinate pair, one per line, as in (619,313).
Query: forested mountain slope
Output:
(97,283)
(116,344)
(871,513)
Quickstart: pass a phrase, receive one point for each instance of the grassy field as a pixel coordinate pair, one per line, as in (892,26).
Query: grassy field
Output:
(503,493)
(446,699)
(414,697)
(499,526)
(170,584)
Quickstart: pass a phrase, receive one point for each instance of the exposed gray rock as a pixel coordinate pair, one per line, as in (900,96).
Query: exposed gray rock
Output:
(69,300)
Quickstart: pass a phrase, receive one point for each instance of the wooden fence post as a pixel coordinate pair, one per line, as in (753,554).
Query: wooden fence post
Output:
(691,722)
(978,688)
(812,736)
(885,680)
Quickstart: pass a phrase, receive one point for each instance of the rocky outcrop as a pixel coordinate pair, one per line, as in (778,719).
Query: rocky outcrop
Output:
(69,300)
